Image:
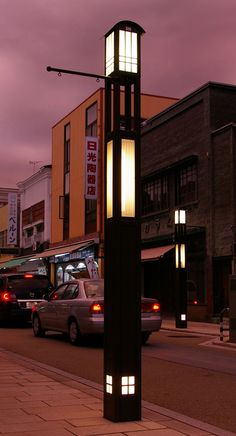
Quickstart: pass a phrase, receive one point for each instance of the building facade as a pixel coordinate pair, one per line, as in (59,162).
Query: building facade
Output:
(189,161)
(77,214)
(8,248)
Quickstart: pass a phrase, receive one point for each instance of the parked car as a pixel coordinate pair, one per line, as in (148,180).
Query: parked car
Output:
(19,293)
(76,308)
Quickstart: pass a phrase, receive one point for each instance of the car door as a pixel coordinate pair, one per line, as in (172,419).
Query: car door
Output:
(65,308)
(49,312)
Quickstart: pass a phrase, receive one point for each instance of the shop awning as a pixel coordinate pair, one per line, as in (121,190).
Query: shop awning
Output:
(15,262)
(63,250)
(155,253)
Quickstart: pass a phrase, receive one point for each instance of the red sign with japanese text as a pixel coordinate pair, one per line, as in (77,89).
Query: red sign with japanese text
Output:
(91,167)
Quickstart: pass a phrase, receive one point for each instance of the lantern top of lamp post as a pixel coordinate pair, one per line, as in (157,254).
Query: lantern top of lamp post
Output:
(126,25)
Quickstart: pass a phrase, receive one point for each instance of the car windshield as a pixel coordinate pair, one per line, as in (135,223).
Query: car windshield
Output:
(94,288)
(32,284)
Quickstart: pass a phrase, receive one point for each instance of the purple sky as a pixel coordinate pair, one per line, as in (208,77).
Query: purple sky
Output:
(187,43)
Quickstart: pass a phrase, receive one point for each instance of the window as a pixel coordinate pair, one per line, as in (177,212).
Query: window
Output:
(66,181)
(66,217)
(91,120)
(3,238)
(155,195)
(40,228)
(186,184)
(71,292)
(67,149)
(58,294)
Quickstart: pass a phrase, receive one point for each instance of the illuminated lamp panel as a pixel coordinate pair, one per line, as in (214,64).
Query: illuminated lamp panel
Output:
(109,179)
(127,178)
(128,385)
(128,51)
(110,54)
(180,261)
(109,384)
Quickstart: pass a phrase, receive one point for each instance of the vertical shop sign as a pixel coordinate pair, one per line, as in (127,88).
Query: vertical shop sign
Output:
(91,267)
(12,219)
(91,167)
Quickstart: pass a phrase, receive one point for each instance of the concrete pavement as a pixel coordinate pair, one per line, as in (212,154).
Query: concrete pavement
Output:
(39,400)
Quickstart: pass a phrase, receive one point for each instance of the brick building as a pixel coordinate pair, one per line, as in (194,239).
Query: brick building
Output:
(189,161)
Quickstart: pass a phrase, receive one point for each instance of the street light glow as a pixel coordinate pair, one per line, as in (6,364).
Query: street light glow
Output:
(110,54)
(128,51)
(127,178)
(109,185)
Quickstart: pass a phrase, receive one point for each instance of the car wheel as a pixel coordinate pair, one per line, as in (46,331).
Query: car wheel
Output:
(74,333)
(37,328)
(145,337)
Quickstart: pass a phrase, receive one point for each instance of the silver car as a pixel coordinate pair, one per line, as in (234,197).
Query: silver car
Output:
(76,308)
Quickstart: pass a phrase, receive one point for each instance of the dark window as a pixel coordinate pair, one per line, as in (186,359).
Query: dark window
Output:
(67,149)
(66,181)
(71,292)
(155,195)
(58,293)
(186,184)
(3,238)
(66,217)
(27,284)
(40,227)
(91,120)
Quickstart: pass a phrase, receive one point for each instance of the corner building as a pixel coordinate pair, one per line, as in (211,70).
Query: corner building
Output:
(77,223)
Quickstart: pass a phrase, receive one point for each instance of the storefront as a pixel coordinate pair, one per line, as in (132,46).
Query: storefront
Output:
(66,261)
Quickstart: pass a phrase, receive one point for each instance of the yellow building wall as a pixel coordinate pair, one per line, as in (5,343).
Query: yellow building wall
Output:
(77,158)
(150,105)
(3,217)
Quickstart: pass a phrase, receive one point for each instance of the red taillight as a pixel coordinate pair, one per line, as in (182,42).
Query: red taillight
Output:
(96,308)
(8,297)
(195,302)
(156,307)
(28,276)
(151,307)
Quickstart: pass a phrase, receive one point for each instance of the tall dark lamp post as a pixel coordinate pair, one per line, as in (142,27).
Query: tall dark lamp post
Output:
(181,271)
(122,342)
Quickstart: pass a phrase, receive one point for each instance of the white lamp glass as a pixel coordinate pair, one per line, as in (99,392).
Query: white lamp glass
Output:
(177,256)
(110,54)
(127,178)
(182,255)
(109,179)
(180,216)
(128,51)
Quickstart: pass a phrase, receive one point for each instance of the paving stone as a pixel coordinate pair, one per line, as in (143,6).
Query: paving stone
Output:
(64,412)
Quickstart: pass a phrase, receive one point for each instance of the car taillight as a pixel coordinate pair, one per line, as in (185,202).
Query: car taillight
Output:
(151,307)
(96,308)
(28,276)
(8,297)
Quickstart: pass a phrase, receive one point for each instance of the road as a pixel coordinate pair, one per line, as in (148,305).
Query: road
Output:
(178,371)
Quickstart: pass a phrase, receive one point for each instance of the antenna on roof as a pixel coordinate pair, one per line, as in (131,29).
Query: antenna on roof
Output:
(34,163)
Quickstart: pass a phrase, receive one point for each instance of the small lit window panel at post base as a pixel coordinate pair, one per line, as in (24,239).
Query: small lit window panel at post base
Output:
(127,385)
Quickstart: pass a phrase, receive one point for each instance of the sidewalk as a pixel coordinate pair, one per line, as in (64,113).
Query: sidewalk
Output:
(201,328)
(39,400)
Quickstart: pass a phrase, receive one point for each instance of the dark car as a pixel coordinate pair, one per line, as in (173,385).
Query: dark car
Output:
(19,293)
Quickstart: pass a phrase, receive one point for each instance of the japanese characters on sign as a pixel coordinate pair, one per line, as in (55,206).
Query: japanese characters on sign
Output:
(91,167)
(12,219)
(91,267)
